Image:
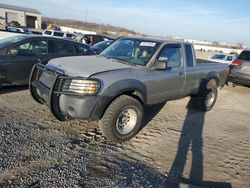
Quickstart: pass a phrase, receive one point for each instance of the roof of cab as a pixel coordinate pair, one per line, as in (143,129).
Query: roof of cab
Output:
(149,39)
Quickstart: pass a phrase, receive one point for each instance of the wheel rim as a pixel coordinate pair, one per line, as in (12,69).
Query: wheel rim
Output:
(126,121)
(210,99)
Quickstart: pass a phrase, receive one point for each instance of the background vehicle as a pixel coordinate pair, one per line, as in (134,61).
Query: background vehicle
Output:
(223,58)
(115,86)
(57,34)
(14,29)
(91,39)
(99,47)
(240,69)
(94,39)
(6,34)
(69,36)
(18,54)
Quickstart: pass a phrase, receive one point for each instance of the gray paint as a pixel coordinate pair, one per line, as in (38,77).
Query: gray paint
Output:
(85,66)
(160,85)
(242,72)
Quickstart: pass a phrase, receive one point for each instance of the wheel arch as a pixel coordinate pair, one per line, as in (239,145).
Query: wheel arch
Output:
(133,88)
(213,76)
(207,83)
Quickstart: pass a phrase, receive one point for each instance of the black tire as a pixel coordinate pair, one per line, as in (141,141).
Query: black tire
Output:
(199,102)
(113,117)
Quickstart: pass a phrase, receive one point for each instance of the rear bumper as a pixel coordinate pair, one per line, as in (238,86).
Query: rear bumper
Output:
(238,80)
(63,105)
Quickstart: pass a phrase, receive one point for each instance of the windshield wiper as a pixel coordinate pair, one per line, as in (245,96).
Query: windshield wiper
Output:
(118,60)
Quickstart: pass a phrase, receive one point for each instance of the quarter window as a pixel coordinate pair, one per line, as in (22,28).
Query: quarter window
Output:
(189,56)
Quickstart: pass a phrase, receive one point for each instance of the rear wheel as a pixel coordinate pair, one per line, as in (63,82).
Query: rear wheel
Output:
(122,119)
(206,100)
(209,99)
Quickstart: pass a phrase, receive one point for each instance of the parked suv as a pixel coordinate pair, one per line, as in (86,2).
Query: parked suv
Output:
(240,69)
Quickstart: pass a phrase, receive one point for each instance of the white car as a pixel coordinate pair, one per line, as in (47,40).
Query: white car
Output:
(4,34)
(58,34)
(223,58)
(53,33)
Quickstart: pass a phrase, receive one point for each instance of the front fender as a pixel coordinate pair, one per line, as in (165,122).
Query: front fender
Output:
(128,85)
(117,89)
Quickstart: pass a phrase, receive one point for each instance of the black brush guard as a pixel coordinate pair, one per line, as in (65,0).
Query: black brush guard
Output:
(49,95)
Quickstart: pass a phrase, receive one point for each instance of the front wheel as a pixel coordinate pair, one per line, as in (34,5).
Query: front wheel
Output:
(122,119)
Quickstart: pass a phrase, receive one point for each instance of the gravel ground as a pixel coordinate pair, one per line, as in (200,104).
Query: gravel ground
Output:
(177,145)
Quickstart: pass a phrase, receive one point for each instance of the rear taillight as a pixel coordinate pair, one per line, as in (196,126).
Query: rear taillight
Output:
(236,63)
(232,75)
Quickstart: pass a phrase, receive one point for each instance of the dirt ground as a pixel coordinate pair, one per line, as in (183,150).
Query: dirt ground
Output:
(177,146)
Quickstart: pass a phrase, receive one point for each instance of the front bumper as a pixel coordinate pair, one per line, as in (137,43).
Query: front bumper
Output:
(63,105)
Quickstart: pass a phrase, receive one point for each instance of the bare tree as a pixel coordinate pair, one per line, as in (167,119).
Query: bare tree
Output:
(240,45)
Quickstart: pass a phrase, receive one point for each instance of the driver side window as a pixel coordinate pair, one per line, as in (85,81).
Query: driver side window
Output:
(29,49)
(172,55)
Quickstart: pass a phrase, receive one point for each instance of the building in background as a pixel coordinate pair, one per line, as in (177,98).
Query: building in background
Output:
(26,17)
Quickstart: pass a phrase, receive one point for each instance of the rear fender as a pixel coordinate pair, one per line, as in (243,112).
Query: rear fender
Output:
(211,81)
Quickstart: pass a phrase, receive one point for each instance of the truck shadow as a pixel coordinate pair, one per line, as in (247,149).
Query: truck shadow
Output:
(12,89)
(150,112)
(191,137)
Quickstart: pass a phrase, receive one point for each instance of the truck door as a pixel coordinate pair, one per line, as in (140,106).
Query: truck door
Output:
(167,84)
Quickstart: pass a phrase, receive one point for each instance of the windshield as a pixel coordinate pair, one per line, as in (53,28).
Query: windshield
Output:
(132,51)
(219,56)
(11,40)
(103,44)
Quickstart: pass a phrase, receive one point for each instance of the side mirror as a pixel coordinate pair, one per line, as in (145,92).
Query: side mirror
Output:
(12,52)
(160,64)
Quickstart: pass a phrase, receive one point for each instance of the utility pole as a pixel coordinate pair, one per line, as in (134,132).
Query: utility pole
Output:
(86,16)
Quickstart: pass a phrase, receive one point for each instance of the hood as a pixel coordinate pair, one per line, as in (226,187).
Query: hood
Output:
(84,66)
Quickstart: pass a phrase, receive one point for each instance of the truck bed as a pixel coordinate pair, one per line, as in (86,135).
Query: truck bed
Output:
(203,61)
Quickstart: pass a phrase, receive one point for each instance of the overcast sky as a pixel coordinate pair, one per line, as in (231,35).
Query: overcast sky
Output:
(213,20)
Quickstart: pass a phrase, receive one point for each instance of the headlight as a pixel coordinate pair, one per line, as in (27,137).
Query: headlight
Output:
(85,87)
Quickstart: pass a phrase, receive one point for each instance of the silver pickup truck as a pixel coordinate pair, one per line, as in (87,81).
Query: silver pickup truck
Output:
(115,86)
